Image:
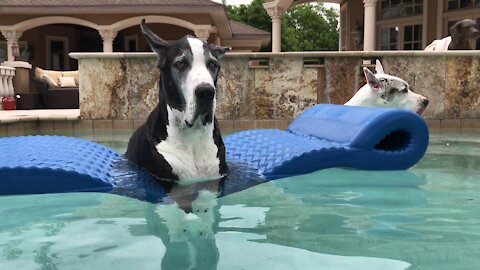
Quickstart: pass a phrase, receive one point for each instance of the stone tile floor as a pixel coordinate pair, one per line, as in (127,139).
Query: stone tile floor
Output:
(34,115)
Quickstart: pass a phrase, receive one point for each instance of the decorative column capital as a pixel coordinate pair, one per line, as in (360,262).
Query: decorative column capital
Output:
(370,3)
(108,35)
(202,34)
(276,12)
(12,36)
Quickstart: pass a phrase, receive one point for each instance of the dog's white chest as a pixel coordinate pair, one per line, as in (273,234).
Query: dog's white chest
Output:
(192,155)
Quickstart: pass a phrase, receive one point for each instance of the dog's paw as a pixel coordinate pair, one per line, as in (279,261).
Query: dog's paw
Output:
(183,226)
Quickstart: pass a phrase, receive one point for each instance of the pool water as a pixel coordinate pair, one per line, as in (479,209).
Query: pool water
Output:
(425,218)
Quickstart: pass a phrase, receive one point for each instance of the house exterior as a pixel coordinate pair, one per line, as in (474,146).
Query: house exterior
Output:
(47,30)
(401,24)
(385,24)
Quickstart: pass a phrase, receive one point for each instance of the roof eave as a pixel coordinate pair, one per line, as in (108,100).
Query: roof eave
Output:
(103,9)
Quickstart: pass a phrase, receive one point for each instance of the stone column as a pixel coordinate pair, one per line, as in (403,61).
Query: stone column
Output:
(11,90)
(3,91)
(6,88)
(276,14)
(202,34)
(12,37)
(108,36)
(369,25)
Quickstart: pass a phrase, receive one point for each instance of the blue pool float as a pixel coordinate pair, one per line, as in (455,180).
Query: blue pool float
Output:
(326,136)
(323,136)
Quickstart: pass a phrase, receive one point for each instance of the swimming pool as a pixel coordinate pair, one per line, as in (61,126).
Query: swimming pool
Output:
(424,218)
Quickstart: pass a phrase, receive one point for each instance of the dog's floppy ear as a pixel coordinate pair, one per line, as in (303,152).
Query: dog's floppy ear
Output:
(219,51)
(379,67)
(456,29)
(372,80)
(157,44)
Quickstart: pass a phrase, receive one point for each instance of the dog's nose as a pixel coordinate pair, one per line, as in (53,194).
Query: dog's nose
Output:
(425,103)
(205,92)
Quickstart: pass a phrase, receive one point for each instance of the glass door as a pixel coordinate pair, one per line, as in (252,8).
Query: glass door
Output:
(57,53)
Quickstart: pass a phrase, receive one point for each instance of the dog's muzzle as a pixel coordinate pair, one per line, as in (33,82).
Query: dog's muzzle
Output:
(205,93)
(424,105)
(204,97)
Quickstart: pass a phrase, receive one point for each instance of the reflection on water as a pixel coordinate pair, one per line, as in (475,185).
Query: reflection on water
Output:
(195,230)
(424,218)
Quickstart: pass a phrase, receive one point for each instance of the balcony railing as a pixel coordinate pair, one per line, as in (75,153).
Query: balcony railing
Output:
(6,81)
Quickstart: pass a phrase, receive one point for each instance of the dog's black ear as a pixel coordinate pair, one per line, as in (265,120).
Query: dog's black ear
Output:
(372,80)
(456,30)
(157,44)
(219,51)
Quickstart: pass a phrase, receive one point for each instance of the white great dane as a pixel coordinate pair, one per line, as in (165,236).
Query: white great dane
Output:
(383,90)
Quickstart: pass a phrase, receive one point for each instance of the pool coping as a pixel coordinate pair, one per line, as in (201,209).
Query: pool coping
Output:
(69,123)
(13,116)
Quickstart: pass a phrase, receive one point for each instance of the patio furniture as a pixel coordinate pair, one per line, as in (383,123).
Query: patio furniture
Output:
(55,95)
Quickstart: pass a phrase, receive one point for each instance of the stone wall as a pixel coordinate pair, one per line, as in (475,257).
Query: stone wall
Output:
(124,86)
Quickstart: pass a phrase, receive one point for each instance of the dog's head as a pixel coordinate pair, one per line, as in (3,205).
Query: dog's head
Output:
(465,30)
(393,92)
(189,70)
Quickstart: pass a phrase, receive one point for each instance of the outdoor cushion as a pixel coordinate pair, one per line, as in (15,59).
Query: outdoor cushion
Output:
(49,80)
(67,82)
(73,74)
(52,73)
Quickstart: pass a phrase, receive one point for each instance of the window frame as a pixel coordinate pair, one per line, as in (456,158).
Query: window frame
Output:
(401,23)
(445,7)
(379,10)
(66,49)
(127,40)
(343,40)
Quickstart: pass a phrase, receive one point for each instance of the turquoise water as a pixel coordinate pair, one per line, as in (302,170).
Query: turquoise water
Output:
(424,218)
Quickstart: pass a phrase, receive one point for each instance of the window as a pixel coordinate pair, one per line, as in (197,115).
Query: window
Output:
(389,38)
(131,43)
(3,51)
(461,4)
(401,37)
(412,37)
(400,8)
(24,52)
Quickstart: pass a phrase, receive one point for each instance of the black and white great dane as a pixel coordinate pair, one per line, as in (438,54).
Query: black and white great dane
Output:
(181,139)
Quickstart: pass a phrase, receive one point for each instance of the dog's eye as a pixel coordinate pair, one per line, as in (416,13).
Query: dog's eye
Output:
(212,65)
(181,64)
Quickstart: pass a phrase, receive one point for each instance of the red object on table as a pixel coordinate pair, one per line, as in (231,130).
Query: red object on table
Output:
(9,103)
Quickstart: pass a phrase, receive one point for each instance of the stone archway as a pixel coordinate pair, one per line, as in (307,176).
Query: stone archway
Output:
(202,31)
(13,33)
